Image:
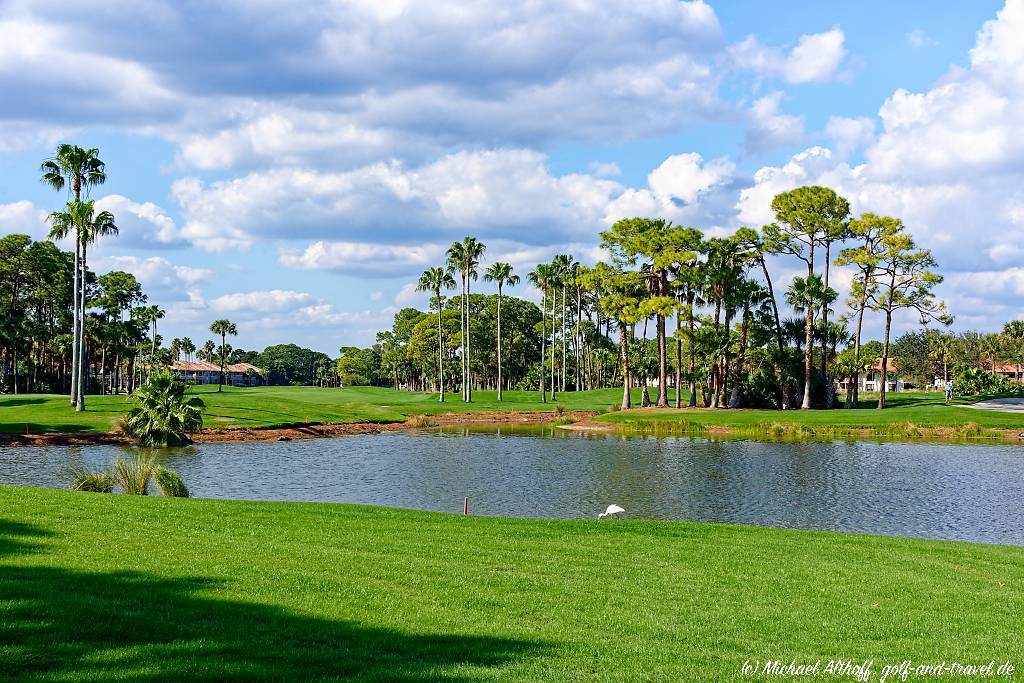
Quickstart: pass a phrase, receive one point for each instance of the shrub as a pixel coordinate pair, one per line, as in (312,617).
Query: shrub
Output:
(170,484)
(164,417)
(94,482)
(615,407)
(133,474)
(559,409)
(418,421)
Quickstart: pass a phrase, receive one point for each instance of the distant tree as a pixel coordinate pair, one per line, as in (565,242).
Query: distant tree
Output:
(223,328)
(436,280)
(502,274)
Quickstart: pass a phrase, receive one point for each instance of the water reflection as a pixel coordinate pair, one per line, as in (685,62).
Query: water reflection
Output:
(933,490)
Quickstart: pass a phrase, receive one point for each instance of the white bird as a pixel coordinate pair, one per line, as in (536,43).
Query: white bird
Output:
(612,510)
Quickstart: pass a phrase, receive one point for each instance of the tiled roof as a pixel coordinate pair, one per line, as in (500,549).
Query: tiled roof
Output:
(204,366)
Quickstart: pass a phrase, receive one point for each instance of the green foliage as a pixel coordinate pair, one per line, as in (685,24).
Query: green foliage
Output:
(132,474)
(911,355)
(170,483)
(94,482)
(290,364)
(163,415)
(968,381)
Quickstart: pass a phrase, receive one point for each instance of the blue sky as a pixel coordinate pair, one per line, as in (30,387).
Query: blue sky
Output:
(295,168)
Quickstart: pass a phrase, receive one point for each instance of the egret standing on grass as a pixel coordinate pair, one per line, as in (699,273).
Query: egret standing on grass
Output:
(613,509)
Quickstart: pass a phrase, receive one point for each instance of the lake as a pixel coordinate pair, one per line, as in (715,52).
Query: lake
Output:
(943,491)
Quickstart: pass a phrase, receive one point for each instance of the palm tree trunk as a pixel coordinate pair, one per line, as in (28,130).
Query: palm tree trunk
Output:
(440,347)
(624,351)
(74,319)
(565,334)
(220,382)
(693,352)
(809,338)
(543,340)
(83,360)
(554,336)
(734,399)
(469,334)
(885,358)
(499,340)
(855,403)
(679,360)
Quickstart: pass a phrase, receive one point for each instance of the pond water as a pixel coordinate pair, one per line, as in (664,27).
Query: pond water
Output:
(964,492)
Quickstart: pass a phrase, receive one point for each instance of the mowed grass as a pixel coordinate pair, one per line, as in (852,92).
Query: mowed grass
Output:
(292,406)
(285,406)
(905,414)
(110,587)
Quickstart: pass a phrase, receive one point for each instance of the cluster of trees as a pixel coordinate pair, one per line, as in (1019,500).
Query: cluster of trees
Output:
(975,362)
(733,345)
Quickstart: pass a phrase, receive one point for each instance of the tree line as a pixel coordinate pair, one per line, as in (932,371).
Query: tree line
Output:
(740,339)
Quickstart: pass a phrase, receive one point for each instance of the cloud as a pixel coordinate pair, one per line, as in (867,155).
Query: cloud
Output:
(259,301)
(969,123)
(141,225)
(24,217)
(815,58)
(362,258)
(160,279)
(683,177)
(351,81)
(769,128)
(918,39)
(849,134)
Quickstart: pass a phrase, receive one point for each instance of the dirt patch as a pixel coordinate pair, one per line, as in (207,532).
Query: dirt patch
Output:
(313,431)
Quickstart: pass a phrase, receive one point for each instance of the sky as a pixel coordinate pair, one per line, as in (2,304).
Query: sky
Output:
(295,167)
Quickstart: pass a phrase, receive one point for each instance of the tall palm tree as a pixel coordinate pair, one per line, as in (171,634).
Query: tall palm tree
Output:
(464,257)
(563,264)
(81,219)
(434,280)
(805,295)
(188,347)
(542,277)
(502,274)
(78,169)
(223,328)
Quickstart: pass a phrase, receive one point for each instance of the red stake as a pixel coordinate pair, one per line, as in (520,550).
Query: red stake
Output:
(465,506)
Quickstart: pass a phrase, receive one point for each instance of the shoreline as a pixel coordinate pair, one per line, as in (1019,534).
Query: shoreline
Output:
(302,432)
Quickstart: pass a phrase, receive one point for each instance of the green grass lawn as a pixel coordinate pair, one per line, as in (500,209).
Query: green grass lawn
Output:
(110,587)
(904,412)
(285,406)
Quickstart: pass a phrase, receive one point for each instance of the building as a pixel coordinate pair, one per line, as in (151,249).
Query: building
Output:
(203,372)
(872,379)
(1007,370)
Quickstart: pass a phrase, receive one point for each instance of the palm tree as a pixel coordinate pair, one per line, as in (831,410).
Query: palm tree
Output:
(502,274)
(805,295)
(541,277)
(81,169)
(88,226)
(464,257)
(563,264)
(188,347)
(163,416)
(223,328)
(434,280)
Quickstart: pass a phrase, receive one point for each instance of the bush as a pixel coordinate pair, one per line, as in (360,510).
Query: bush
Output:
(94,482)
(760,390)
(968,381)
(164,417)
(170,484)
(133,474)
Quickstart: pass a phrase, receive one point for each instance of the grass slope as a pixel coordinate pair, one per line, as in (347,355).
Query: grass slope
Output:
(108,587)
(907,414)
(285,406)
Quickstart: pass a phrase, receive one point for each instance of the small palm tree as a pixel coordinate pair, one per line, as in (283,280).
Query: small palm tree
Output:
(464,257)
(542,277)
(502,274)
(223,328)
(806,295)
(164,416)
(434,280)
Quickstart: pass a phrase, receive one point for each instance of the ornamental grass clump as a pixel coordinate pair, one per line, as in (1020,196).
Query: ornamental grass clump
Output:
(163,416)
(132,476)
(93,482)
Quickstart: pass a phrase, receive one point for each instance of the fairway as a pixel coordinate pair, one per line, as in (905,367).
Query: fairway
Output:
(259,407)
(171,589)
